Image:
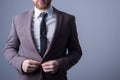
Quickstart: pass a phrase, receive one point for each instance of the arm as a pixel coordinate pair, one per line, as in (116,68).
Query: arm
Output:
(74,50)
(12,48)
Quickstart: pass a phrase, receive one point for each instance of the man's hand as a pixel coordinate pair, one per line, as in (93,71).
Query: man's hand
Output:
(29,66)
(50,66)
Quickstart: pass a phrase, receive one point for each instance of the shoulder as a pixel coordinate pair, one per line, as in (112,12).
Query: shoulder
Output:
(23,14)
(64,14)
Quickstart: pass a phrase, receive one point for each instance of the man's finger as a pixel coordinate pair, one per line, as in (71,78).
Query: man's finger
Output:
(33,62)
(48,63)
(48,67)
(33,66)
(48,70)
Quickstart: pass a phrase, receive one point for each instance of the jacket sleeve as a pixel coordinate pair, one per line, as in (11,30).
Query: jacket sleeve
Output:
(74,49)
(12,49)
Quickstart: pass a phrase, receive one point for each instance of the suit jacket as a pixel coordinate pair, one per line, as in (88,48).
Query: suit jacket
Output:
(64,48)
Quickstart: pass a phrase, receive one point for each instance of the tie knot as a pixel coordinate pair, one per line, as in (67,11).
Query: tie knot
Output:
(43,15)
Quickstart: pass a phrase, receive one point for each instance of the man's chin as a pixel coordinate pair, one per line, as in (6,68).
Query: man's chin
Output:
(42,7)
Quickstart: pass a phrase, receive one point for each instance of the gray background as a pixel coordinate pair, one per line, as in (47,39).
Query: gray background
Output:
(98,24)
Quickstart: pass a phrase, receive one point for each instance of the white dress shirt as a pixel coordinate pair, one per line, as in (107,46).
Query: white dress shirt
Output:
(50,24)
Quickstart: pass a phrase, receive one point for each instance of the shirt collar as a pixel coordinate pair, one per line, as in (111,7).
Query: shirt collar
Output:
(37,13)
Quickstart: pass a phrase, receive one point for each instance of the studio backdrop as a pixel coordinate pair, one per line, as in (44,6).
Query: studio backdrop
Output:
(98,26)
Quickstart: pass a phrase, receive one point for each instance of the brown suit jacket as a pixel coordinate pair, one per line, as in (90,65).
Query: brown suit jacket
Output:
(64,48)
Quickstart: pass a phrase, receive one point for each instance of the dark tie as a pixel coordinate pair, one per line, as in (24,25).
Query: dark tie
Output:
(43,35)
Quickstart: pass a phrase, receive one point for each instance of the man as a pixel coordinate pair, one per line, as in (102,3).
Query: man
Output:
(63,49)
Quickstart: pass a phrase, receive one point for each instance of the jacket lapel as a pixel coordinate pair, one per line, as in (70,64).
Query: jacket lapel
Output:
(58,25)
(57,30)
(28,26)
